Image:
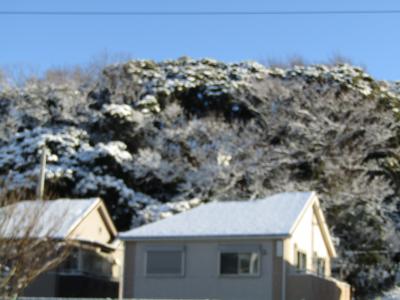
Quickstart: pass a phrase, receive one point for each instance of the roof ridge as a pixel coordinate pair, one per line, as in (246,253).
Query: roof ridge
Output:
(259,199)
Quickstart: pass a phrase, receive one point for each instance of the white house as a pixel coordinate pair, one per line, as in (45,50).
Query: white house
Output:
(273,248)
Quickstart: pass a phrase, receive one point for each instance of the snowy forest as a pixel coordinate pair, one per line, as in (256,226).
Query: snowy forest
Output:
(156,138)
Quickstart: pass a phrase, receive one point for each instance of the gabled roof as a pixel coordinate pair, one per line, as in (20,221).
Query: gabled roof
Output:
(274,216)
(55,219)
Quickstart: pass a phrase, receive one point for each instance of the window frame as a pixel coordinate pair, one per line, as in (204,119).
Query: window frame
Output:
(298,268)
(165,249)
(240,249)
(321,263)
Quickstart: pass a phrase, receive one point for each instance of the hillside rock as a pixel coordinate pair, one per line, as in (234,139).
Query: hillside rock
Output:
(153,139)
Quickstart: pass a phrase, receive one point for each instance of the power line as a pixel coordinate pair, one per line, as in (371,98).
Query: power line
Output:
(199,13)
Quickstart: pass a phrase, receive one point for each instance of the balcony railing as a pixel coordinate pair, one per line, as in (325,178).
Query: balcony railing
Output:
(88,262)
(311,286)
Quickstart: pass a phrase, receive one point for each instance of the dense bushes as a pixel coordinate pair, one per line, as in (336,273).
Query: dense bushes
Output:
(154,139)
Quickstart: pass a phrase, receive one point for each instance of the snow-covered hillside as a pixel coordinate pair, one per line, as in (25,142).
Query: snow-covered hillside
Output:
(154,139)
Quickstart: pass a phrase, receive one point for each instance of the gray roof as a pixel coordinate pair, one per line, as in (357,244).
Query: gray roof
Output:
(271,216)
(45,218)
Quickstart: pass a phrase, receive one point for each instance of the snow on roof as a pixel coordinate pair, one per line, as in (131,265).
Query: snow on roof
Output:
(271,216)
(53,219)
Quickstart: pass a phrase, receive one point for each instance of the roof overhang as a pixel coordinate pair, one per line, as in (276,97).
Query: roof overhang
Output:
(324,228)
(111,246)
(279,236)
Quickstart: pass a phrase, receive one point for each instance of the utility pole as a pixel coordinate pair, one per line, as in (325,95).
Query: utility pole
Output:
(42,175)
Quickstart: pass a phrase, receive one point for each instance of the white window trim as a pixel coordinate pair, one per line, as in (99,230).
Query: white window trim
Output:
(305,269)
(323,259)
(164,249)
(239,249)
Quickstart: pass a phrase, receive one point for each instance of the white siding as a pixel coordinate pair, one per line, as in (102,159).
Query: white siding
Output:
(308,238)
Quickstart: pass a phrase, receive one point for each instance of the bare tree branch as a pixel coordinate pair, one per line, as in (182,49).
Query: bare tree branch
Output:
(28,246)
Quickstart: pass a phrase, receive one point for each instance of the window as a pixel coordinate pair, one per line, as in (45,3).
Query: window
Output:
(239,263)
(164,262)
(320,266)
(301,261)
(88,261)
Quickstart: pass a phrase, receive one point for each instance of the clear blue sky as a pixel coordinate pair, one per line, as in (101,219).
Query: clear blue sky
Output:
(46,41)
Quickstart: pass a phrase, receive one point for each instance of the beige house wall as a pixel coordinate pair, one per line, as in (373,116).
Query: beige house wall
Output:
(118,268)
(308,238)
(93,228)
